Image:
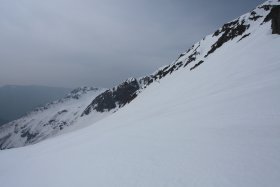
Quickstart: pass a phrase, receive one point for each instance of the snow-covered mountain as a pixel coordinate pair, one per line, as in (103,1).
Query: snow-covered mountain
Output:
(211,118)
(109,101)
(52,119)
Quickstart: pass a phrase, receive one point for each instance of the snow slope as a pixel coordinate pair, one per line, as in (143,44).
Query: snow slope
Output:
(217,125)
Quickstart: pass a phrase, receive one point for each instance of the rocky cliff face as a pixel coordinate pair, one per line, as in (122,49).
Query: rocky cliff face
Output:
(274,17)
(114,98)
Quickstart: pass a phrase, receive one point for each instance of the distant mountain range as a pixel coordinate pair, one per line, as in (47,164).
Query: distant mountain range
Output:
(16,101)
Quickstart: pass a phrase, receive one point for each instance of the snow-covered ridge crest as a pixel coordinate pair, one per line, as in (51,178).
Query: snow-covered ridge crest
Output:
(231,32)
(234,31)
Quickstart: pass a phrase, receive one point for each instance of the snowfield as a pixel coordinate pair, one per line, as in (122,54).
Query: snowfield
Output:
(215,126)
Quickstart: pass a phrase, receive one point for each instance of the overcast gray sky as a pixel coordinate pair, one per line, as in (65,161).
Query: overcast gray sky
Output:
(70,43)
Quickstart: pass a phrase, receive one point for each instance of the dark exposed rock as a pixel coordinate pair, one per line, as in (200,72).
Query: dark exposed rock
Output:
(166,70)
(118,96)
(266,7)
(226,27)
(30,136)
(254,16)
(181,55)
(192,57)
(3,141)
(51,121)
(196,65)
(274,17)
(62,111)
(244,36)
(230,31)
(160,74)
(144,81)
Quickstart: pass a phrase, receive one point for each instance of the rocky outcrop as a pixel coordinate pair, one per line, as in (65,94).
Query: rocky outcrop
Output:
(229,31)
(274,17)
(196,65)
(114,98)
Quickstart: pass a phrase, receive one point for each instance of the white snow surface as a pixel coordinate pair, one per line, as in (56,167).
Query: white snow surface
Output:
(215,126)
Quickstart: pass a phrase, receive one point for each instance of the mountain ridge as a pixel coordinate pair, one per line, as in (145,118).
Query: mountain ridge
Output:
(111,100)
(229,31)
